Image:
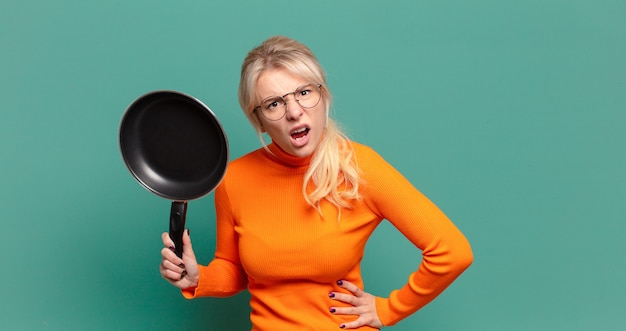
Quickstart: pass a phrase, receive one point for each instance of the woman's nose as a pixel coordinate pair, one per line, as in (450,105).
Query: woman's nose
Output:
(293,109)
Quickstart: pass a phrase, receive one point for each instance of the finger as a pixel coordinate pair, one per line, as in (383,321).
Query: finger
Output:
(187,247)
(359,322)
(167,265)
(167,241)
(171,275)
(168,255)
(345,310)
(190,262)
(172,272)
(350,287)
(343,297)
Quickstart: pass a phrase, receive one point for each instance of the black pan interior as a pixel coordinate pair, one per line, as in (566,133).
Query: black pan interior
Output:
(173,145)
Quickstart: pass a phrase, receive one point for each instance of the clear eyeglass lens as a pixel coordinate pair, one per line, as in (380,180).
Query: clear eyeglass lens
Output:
(308,96)
(271,105)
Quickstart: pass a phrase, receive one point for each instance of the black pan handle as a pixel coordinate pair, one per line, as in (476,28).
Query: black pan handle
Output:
(178,215)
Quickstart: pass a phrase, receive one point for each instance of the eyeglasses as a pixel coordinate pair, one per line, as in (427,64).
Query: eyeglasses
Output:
(275,108)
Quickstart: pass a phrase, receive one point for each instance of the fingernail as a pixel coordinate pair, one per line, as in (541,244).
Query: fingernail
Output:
(182,265)
(332,310)
(188,233)
(331,295)
(172,248)
(342,326)
(183,274)
(339,282)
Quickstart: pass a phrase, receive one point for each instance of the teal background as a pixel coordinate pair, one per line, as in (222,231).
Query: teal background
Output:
(510,115)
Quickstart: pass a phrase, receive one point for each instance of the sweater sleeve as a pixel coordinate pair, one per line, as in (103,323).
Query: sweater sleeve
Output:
(223,276)
(446,253)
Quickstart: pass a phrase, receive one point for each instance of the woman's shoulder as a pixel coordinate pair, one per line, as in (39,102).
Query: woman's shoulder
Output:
(364,152)
(242,169)
(245,162)
(370,162)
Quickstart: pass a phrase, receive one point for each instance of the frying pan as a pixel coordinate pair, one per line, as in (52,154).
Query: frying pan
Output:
(175,147)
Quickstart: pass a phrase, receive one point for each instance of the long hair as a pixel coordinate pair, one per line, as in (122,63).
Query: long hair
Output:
(333,173)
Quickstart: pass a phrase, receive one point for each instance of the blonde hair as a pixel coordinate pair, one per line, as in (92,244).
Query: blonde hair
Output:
(333,173)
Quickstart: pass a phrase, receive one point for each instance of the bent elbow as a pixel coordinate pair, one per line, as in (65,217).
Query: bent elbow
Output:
(463,257)
(451,258)
(467,260)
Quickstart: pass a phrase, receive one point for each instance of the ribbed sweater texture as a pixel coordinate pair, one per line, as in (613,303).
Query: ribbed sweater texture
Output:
(290,257)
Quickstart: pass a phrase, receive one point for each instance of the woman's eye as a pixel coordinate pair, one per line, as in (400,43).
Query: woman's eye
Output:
(272,105)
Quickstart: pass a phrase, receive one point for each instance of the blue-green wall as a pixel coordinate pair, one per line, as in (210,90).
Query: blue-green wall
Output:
(510,115)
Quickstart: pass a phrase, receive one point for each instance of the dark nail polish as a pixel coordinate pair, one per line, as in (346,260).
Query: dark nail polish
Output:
(339,282)
(332,310)
(172,248)
(342,326)
(182,265)
(188,233)
(183,274)
(331,295)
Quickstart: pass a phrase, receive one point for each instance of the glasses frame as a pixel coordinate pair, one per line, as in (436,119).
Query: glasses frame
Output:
(319,87)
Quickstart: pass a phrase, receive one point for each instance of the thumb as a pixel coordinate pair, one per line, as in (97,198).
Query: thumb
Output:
(188,254)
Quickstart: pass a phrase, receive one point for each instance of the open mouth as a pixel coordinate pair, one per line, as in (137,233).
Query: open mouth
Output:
(300,133)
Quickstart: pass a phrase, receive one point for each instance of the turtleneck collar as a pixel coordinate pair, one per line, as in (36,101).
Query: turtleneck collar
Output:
(279,155)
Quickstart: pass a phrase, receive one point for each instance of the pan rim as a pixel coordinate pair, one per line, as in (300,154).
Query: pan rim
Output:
(220,169)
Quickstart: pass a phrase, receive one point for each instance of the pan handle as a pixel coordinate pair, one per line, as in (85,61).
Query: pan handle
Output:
(178,215)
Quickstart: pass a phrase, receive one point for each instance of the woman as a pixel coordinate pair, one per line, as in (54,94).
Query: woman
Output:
(294,216)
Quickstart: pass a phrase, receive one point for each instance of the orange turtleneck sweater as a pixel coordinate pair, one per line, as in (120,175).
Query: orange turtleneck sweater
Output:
(270,241)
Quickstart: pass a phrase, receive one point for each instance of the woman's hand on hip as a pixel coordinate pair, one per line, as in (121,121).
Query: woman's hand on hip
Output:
(363,306)
(182,273)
